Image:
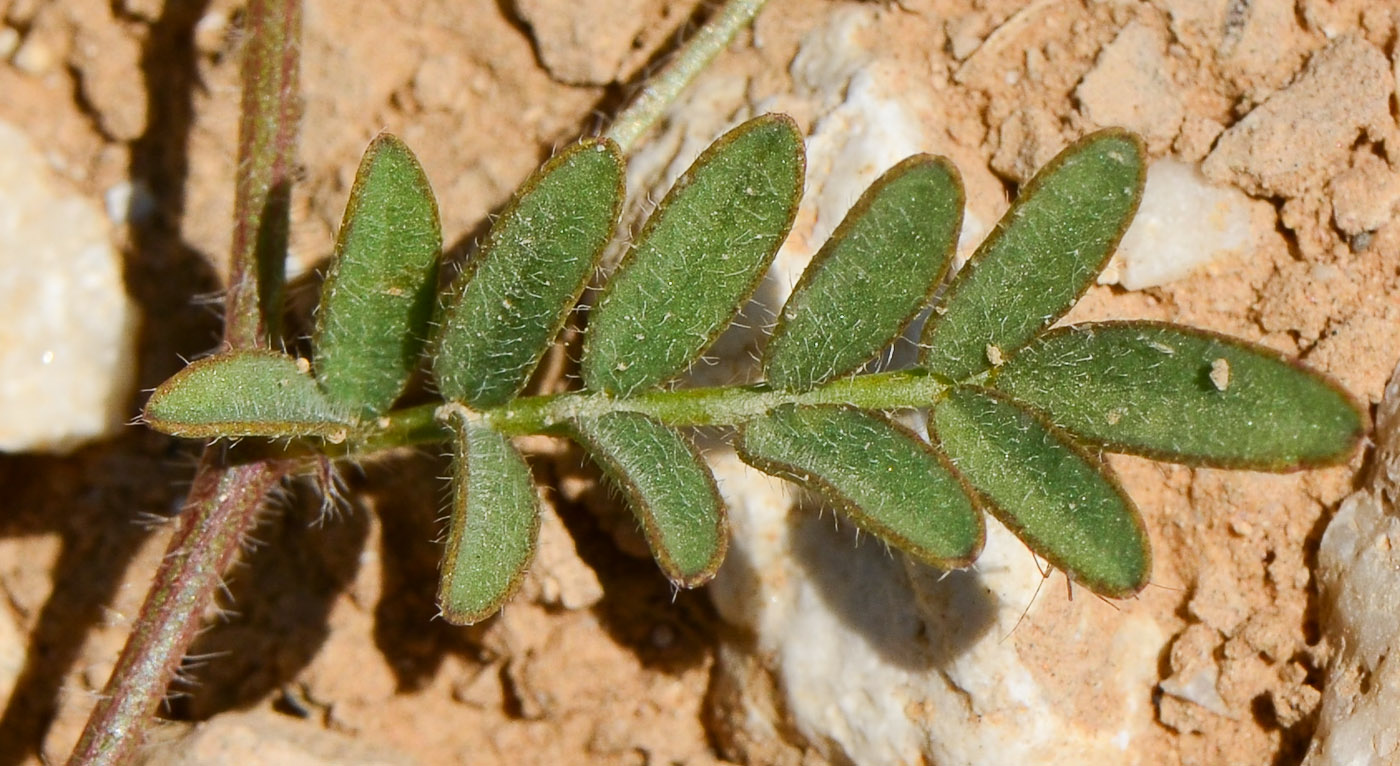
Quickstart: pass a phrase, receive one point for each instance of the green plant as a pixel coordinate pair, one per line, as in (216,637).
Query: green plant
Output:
(1018,411)
(1005,394)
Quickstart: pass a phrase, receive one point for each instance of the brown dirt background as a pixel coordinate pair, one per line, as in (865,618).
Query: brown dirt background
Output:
(329,626)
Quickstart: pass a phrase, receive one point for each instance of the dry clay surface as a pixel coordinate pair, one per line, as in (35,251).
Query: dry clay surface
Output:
(327,651)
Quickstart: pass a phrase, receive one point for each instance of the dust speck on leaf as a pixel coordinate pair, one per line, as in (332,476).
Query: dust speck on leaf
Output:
(1220,374)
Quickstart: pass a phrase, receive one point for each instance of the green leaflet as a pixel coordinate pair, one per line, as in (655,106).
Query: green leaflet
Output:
(245,393)
(669,488)
(872,277)
(1057,498)
(698,258)
(887,479)
(528,275)
(495,522)
(378,296)
(1042,255)
(1172,393)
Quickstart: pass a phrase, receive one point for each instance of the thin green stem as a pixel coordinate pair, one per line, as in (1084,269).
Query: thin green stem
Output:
(717,406)
(711,406)
(661,90)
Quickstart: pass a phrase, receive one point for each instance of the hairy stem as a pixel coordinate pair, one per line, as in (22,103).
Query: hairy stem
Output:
(222,506)
(711,406)
(266,159)
(224,500)
(660,91)
(716,406)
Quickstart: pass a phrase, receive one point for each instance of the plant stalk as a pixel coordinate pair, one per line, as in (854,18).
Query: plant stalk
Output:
(553,413)
(662,90)
(715,406)
(224,499)
(267,133)
(222,507)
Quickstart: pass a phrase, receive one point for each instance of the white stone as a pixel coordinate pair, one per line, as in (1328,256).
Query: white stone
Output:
(858,640)
(1359,574)
(1183,223)
(67,335)
(9,41)
(864,129)
(867,133)
(1200,688)
(831,56)
(34,57)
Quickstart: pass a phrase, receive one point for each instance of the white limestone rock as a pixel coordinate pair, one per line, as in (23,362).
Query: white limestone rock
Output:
(1183,223)
(67,337)
(1359,575)
(875,660)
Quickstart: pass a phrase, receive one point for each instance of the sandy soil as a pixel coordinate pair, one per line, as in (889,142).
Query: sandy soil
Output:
(330,624)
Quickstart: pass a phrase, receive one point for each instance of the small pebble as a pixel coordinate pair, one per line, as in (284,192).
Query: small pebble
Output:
(9,41)
(33,58)
(67,327)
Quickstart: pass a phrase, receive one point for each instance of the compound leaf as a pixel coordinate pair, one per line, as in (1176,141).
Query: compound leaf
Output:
(245,393)
(872,277)
(1175,393)
(1061,501)
(528,275)
(668,487)
(1042,255)
(884,477)
(495,523)
(378,296)
(698,258)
